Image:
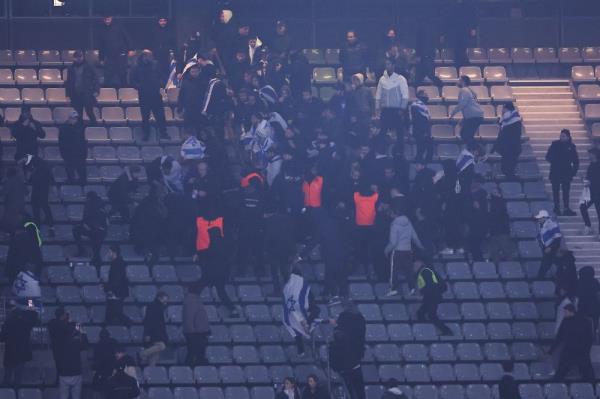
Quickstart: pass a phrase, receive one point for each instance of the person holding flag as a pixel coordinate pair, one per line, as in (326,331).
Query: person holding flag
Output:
(549,237)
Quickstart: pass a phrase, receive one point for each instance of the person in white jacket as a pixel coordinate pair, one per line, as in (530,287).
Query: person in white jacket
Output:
(391,100)
(399,250)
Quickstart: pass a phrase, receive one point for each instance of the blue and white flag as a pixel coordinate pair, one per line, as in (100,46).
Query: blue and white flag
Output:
(464,160)
(549,232)
(295,305)
(172,82)
(26,285)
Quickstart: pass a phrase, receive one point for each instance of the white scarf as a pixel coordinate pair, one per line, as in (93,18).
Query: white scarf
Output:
(509,118)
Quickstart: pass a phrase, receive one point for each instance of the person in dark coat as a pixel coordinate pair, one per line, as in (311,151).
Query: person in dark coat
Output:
(347,349)
(116,288)
(421,127)
(16,336)
(432,288)
(588,295)
(73,148)
(155,330)
(14,192)
(354,55)
(40,178)
(196,328)
(566,273)
(280,244)
(82,86)
(281,42)
(508,388)
(67,340)
(122,385)
(145,77)
(289,389)
(190,99)
(93,226)
(501,246)
(508,143)
(120,192)
(114,46)
(147,224)
(314,390)
(216,103)
(104,360)
(24,249)
(300,73)
(251,228)
(164,47)
(564,164)
(592,181)
(26,132)
(576,337)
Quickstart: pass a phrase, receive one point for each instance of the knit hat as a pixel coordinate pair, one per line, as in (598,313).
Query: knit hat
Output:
(360,77)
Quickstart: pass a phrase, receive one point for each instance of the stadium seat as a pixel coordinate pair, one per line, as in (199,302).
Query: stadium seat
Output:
(26,58)
(569,55)
(128,96)
(583,73)
(495,74)
(186,393)
(592,112)
(499,56)
(107,96)
(49,58)
(50,77)
(432,93)
(450,93)
(7,58)
(446,74)
(482,93)
(6,77)
(502,94)
(545,55)
(33,96)
(26,77)
(159,393)
(591,54)
(324,75)
(473,72)
(477,56)
(113,115)
(522,55)
(588,92)
(443,132)
(332,56)
(10,96)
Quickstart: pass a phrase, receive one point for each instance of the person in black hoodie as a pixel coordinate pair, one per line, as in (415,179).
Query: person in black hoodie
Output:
(120,191)
(566,273)
(280,244)
(67,340)
(216,102)
(347,349)
(104,360)
(190,99)
(147,224)
(354,55)
(146,78)
(114,46)
(93,226)
(73,148)
(26,131)
(588,296)
(421,127)
(592,181)
(82,86)
(281,43)
(25,248)
(564,164)
(300,73)
(251,228)
(116,288)
(501,246)
(314,390)
(508,143)
(16,336)
(155,330)
(121,385)
(41,179)
(508,388)
(164,48)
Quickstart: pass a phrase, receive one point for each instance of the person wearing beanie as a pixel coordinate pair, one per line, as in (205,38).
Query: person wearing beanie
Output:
(82,86)
(564,164)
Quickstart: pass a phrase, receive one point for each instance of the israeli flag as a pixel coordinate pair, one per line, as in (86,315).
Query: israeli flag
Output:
(295,305)
(172,82)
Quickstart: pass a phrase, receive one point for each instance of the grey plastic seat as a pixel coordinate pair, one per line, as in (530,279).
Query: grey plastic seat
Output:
(446,74)
(272,354)
(524,351)
(449,311)
(218,354)
(144,293)
(474,332)
(164,274)
(181,375)
(465,290)
(26,58)
(518,209)
(26,393)
(262,393)
(394,312)
(416,373)
(211,392)
(376,333)
(438,113)
(185,393)
(473,311)
(499,55)
(107,96)
(424,332)
(206,375)
(400,332)
(473,72)
(10,96)
(361,291)
(484,271)
(478,391)
(121,135)
(583,73)
(525,311)
(324,75)
(128,96)
(6,77)
(458,271)
(524,229)
(543,289)
(522,55)
(104,154)
(97,134)
(113,115)
(257,374)
(93,293)
(512,190)
(129,154)
(159,393)
(50,77)
(500,331)
(258,313)
(415,353)
(59,274)
(389,353)
(518,290)
(33,96)
(237,393)
(469,352)
(441,373)
(581,390)
(155,375)
(556,391)
(491,290)
(85,274)
(68,294)
(242,334)
(442,352)
(529,250)
(425,392)
(447,151)
(467,372)
(7,58)
(138,274)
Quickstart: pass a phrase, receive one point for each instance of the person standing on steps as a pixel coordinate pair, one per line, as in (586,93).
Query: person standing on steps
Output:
(592,184)
(471,111)
(432,288)
(549,238)
(564,164)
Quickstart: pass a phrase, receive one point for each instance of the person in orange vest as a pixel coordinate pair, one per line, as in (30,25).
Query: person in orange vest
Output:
(365,211)
(211,253)
(312,187)
(249,175)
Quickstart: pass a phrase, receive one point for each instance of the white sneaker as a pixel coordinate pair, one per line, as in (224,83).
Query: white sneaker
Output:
(392,293)
(586,231)
(447,251)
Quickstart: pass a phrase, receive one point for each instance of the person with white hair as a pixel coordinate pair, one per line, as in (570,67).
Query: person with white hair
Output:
(550,238)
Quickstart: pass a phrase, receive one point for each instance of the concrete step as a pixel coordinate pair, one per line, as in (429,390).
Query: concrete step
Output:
(548,108)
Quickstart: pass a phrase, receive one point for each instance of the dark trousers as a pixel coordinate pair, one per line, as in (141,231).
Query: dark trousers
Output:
(583,208)
(154,105)
(114,312)
(364,242)
(115,71)
(250,250)
(425,68)
(424,147)
(355,382)
(42,206)
(96,237)
(401,262)
(392,119)
(76,168)
(428,311)
(469,128)
(79,103)
(336,283)
(196,348)
(568,360)
(508,164)
(475,241)
(215,277)
(548,259)
(557,186)
(13,375)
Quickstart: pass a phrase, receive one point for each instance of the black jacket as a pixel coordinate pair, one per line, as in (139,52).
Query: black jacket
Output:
(119,192)
(145,77)
(498,216)
(319,393)
(16,335)
(104,361)
(122,386)
(354,58)
(26,137)
(508,388)
(67,343)
(94,215)
(147,222)
(348,345)
(113,41)
(575,333)
(72,143)
(41,179)
(564,162)
(588,293)
(593,176)
(191,94)
(117,279)
(508,143)
(154,322)
(89,84)
(23,249)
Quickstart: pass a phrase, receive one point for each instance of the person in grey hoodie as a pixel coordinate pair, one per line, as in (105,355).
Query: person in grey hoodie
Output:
(471,111)
(399,250)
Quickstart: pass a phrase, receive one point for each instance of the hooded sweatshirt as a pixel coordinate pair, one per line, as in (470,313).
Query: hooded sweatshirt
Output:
(402,235)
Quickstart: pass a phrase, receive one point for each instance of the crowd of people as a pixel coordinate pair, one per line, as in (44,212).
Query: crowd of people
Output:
(267,173)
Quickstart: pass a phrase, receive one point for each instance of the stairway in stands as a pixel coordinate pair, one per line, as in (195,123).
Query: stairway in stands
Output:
(547,107)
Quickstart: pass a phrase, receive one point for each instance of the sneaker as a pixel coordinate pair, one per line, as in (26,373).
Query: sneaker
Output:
(586,231)
(447,251)
(569,212)
(392,293)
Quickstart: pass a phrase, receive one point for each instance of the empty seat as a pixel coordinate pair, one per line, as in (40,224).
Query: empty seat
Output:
(502,93)
(314,56)
(159,393)
(478,391)
(588,92)
(33,96)
(477,55)
(332,56)
(6,77)
(416,373)
(133,115)
(324,75)
(50,77)
(232,375)
(522,55)
(113,115)
(107,96)
(473,72)
(446,74)
(499,56)
(591,54)
(432,93)
(26,58)
(450,93)
(545,55)
(49,58)
(443,132)
(441,373)
(495,74)
(7,58)
(96,135)
(187,393)
(257,374)
(569,55)
(592,112)
(10,96)
(482,93)
(128,96)
(26,77)
(583,73)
